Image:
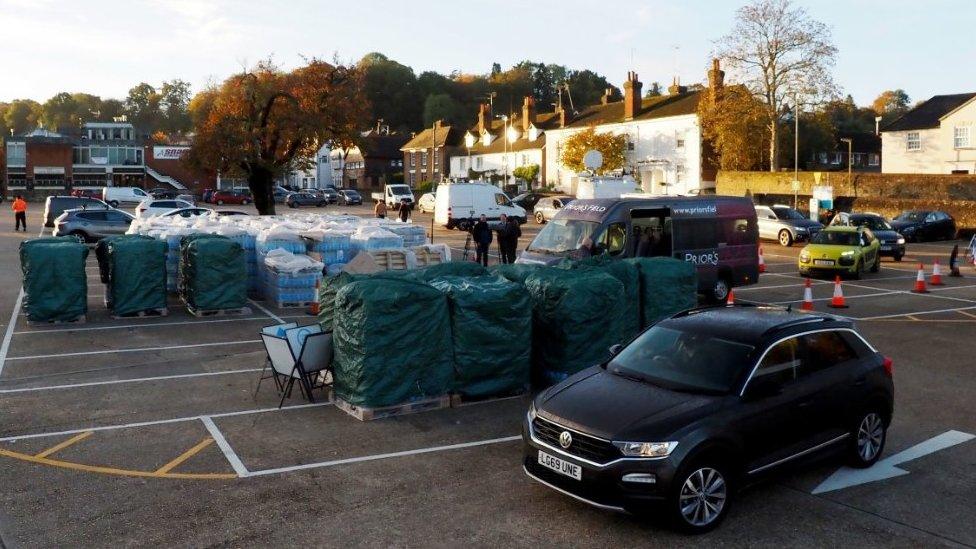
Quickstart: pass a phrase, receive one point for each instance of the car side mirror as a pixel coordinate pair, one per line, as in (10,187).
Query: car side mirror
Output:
(615,349)
(763,387)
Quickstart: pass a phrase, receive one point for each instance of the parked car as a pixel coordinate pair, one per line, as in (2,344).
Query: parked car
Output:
(281,194)
(427,202)
(231,197)
(92,225)
(841,250)
(892,243)
(193,212)
(113,196)
(329,194)
(152,206)
(706,402)
(85,193)
(546,208)
(56,205)
(163,192)
(223,213)
(459,205)
(528,200)
(350,197)
(784,224)
(919,225)
(294,200)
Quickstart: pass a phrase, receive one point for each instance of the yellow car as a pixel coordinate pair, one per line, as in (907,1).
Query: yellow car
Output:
(841,250)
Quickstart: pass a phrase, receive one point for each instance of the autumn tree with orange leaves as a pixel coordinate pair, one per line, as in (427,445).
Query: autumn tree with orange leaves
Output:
(266,121)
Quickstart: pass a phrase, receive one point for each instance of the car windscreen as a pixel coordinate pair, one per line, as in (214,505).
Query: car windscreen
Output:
(872,222)
(400,189)
(911,216)
(683,361)
(788,213)
(835,238)
(563,235)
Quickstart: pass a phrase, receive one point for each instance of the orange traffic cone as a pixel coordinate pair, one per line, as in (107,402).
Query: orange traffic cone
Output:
(936,279)
(837,302)
(762,263)
(920,281)
(731,298)
(313,308)
(807,297)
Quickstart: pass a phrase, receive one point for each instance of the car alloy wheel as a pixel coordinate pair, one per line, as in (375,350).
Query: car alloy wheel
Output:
(702,497)
(720,291)
(785,238)
(870,438)
(539,218)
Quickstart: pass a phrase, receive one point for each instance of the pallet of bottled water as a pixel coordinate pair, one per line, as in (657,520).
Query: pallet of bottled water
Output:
(371,238)
(412,235)
(290,280)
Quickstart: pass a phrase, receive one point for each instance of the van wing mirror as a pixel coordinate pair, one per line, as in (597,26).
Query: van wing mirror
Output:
(615,349)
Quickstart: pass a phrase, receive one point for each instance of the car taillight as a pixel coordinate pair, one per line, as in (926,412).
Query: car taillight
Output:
(889,367)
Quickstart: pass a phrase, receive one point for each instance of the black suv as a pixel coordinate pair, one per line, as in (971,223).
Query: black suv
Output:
(705,402)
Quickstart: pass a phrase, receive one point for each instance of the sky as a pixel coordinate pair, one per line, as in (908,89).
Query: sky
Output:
(105,48)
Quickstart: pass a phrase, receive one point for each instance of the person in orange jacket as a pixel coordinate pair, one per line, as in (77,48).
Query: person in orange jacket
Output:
(20,212)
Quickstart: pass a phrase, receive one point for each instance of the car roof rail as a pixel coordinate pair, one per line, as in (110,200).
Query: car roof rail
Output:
(695,310)
(807,319)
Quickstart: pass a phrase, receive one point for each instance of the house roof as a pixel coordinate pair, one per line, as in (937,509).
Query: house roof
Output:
(444,136)
(498,144)
(651,107)
(928,114)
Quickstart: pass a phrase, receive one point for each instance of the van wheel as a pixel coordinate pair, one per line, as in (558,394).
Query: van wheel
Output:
(720,290)
(785,238)
(539,218)
(114,203)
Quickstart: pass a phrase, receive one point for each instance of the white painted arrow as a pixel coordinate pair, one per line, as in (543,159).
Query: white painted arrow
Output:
(845,477)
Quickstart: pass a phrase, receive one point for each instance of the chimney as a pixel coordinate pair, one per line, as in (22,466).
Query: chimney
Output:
(528,113)
(632,96)
(561,113)
(675,88)
(607,93)
(716,76)
(438,123)
(484,118)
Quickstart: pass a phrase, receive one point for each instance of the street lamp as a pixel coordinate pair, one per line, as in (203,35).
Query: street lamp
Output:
(796,152)
(877,125)
(505,147)
(850,160)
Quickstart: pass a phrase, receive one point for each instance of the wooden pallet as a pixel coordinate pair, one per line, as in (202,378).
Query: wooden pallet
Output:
(390,260)
(425,257)
(200,313)
(148,313)
(81,319)
(458,400)
(364,413)
(291,304)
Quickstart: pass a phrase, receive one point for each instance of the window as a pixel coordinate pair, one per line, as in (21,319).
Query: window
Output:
(480,163)
(838,158)
(822,158)
(463,163)
(780,362)
(680,143)
(913,141)
(823,350)
(501,199)
(695,234)
(737,232)
(16,154)
(960,137)
(874,159)
(423,159)
(413,160)
(615,239)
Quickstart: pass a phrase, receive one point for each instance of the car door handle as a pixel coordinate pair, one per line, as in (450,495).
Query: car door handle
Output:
(860,381)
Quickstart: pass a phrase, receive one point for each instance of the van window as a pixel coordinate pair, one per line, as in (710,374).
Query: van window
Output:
(651,232)
(696,234)
(502,200)
(139,192)
(614,239)
(737,232)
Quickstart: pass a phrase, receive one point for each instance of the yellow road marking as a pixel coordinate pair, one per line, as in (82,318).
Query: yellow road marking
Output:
(112,470)
(64,444)
(912,317)
(185,455)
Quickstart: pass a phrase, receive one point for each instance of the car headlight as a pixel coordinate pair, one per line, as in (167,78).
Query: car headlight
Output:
(801,229)
(804,256)
(901,240)
(848,253)
(646,449)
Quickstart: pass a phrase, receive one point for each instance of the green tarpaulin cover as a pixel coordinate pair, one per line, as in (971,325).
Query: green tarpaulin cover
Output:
(137,274)
(55,284)
(576,314)
(491,325)
(667,286)
(213,272)
(516,272)
(392,342)
(450,268)
(629,275)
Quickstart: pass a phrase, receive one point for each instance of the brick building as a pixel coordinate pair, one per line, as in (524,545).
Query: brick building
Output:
(427,156)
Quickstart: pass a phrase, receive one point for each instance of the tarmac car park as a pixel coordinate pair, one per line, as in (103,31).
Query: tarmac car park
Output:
(149,432)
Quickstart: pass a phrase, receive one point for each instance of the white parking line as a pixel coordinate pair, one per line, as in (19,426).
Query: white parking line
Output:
(229,453)
(161,421)
(267,312)
(375,457)
(895,315)
(143,349)
(5,346)
(849,297)
(120,381)
(148,325)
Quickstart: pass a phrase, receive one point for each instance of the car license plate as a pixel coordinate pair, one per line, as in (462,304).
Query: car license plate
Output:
(886,248)
(823,261)
(560,466)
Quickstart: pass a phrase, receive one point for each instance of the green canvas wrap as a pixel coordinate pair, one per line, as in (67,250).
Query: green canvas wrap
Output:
(575,317)
(55,284)
(331,285)
(517,272)
(392,342)
(491,327)
(667,286)
(629,275)
(213,272)
(451,268)
(137,274)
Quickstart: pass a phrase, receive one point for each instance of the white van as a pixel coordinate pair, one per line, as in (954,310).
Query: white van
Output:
(394,195)
(113,196)
(461,204)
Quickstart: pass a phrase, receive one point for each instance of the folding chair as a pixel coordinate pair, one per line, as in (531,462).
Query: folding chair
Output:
(314,356)
(276,330)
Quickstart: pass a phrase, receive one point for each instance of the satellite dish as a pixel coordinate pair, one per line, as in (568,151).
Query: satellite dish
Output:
(593,160)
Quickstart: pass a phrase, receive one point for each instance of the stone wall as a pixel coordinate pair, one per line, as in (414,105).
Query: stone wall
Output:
(885,193)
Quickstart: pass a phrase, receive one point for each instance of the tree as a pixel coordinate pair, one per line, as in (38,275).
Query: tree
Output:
(174,102)
(60,111)
(22,115)
(778,51)
(441,107)
(734,129)
(392,90)
(611,146)
(109,109)
(265,121)
(817,134)
(143,107)
(527,173)
(587,87)
(847,117)
(891,104)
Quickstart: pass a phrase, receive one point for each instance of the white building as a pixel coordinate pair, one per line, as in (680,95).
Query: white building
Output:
(937,136)
(664,138)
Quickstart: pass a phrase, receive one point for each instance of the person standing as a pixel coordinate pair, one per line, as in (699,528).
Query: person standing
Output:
(405,208)
(503,236)
(379,210)
(20,213)
(482,239)
(514,231)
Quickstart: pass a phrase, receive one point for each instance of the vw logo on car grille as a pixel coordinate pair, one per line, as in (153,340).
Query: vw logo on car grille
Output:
(565,439)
